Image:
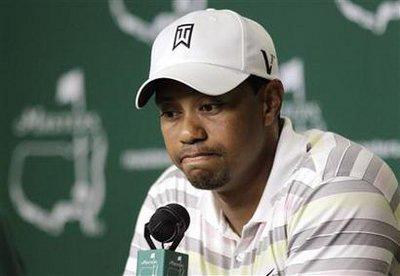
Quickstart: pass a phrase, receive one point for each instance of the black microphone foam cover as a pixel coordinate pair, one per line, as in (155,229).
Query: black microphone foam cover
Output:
(163,223)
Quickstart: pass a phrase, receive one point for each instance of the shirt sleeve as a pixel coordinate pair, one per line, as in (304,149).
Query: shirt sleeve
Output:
(344,227)
(138,240)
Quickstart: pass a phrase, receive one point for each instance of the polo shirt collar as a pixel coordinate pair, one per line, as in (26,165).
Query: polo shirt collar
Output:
(291,148)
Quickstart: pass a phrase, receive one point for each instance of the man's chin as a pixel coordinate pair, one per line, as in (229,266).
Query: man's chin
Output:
(205,179)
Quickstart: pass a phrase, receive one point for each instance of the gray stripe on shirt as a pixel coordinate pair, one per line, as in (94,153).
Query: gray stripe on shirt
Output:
(343,226)
(335,156)
(340,187)
(366,239)
(348,264)
(349,159)
(372,170)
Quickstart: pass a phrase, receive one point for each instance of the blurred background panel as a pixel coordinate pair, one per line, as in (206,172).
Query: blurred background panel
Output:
(77,159)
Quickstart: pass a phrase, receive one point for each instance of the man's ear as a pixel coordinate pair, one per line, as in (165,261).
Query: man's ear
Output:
(272,95)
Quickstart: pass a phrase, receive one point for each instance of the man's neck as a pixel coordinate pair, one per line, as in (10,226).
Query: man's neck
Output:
(240,204)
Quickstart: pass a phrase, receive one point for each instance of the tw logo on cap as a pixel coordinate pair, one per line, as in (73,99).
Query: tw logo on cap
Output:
(183,35)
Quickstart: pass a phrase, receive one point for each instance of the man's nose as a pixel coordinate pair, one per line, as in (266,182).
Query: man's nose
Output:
(192,130)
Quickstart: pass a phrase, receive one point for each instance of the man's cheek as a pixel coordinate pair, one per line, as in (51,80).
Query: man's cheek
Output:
(172,155)
(171,152)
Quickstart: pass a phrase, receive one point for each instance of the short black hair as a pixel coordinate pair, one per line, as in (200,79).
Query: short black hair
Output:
(256,82)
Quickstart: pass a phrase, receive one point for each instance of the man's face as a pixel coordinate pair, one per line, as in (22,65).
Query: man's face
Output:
(218,142)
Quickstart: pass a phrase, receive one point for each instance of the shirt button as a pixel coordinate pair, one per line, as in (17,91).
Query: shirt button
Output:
(240,257)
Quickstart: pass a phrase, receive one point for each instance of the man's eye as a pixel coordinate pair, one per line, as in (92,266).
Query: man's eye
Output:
(210,107)
(168,114)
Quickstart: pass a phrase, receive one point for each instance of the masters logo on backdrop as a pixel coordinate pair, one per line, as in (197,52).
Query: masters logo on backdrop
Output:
(147,31)
(77,138)
(376,21)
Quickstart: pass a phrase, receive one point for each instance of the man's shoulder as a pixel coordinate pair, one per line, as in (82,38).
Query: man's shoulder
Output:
(334,158)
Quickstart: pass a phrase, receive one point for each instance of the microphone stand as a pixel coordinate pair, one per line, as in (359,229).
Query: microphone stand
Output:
(180,231)
(147,236)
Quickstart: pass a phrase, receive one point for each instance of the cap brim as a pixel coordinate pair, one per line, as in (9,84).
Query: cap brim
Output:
(206,78)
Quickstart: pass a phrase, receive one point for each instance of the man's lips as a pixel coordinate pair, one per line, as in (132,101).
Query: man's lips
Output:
(197,156)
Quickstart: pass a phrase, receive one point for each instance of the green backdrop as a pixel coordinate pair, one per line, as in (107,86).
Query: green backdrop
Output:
(77,158)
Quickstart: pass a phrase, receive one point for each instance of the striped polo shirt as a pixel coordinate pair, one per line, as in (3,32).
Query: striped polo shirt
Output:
(330,207)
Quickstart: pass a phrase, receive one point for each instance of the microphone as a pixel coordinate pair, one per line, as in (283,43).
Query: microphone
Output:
(167,225)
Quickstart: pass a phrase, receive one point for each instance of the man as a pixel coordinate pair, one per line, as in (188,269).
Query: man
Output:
(263,199)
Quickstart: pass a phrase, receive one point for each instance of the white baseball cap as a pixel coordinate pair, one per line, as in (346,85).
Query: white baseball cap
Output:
(212,51)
